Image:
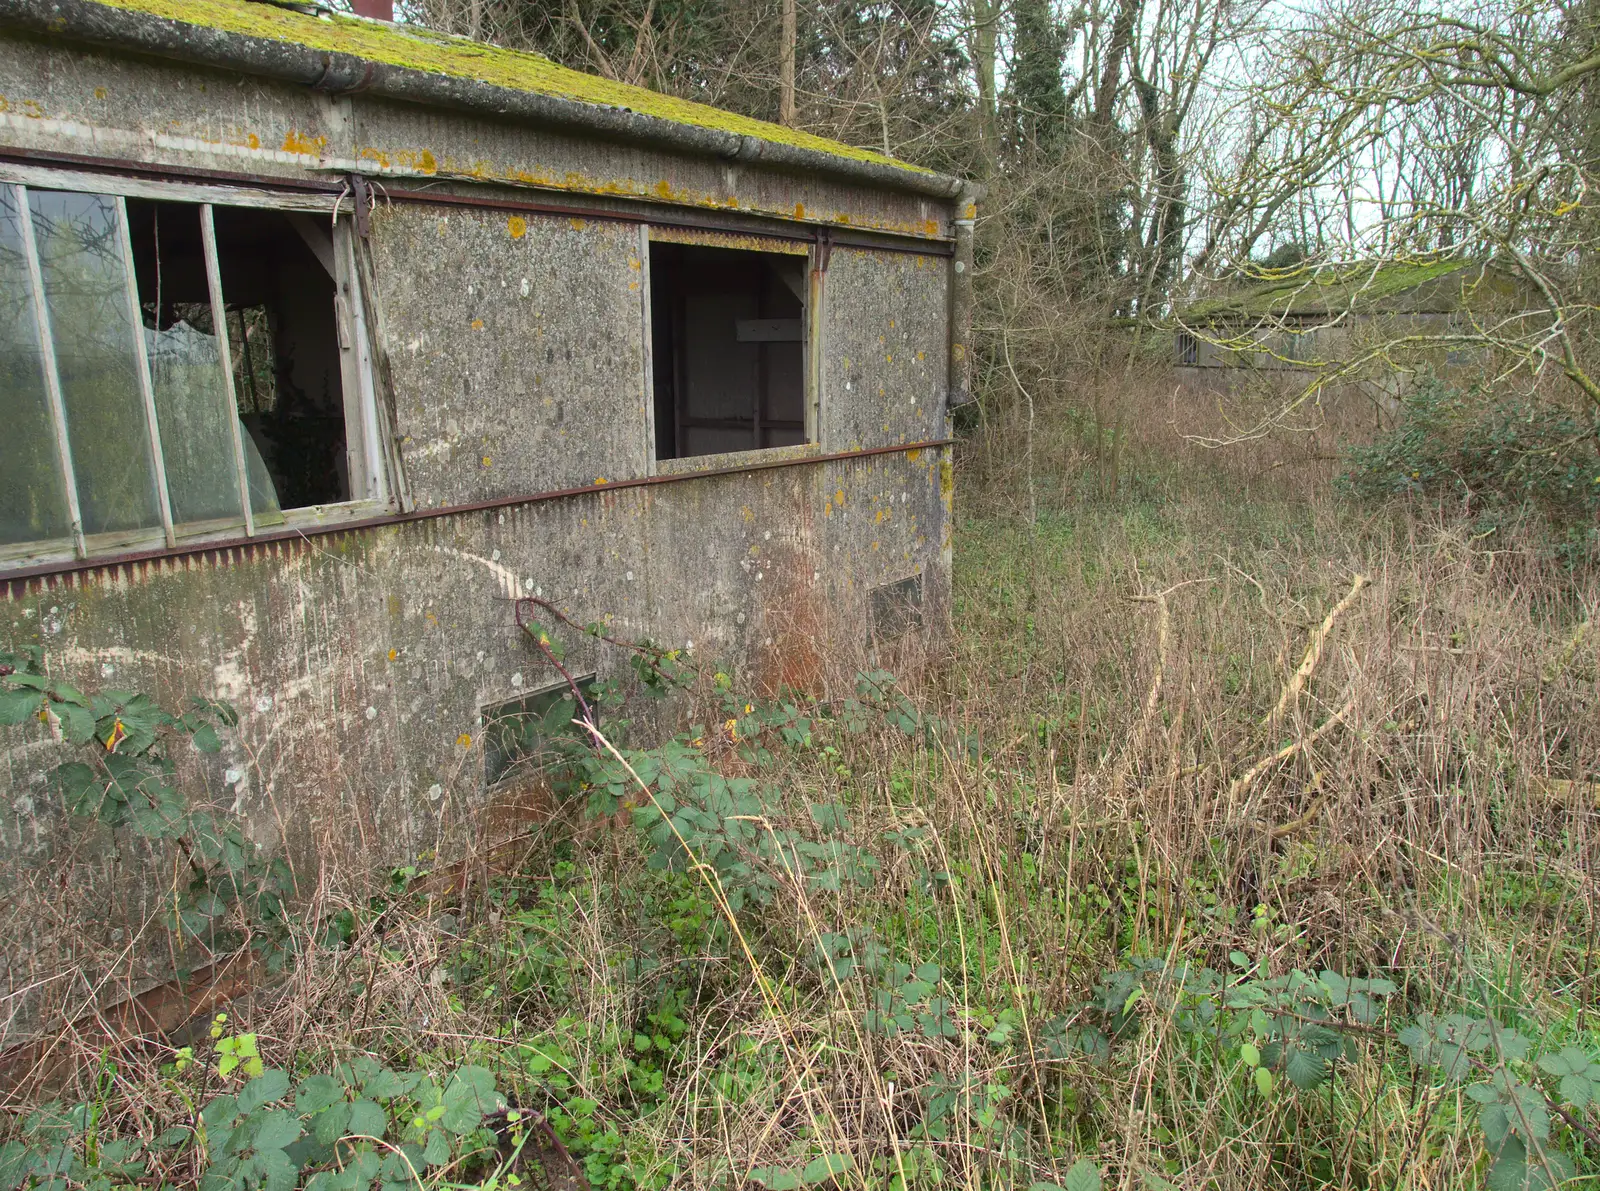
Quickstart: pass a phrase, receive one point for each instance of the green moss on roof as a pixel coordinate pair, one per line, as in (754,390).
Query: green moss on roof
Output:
(420,49)
(1366,288)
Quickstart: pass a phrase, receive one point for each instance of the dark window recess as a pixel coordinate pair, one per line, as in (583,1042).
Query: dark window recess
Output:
(517,735)
(728,332)
(896,608)
(1188,348)
(283,336)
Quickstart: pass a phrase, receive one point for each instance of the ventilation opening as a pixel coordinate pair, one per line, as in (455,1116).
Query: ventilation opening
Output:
(518,735)
(896,608)
(277,276)
(728,331)
(1188,348)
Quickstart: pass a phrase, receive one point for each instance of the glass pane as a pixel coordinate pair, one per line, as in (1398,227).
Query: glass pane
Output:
(33,502)
(193,410)
(85,285)
(196,440)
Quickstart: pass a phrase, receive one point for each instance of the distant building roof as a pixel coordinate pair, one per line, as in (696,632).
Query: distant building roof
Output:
(270,38)
(1307,292)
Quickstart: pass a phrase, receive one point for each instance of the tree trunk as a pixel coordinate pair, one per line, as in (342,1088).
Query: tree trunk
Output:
(985,20)
(786,113)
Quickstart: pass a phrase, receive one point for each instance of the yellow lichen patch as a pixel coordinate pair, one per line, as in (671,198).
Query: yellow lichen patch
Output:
(883,515)
(747,513)
(293,142)
(799,210)
(913,455)
(393,653)
(838,498)
(477,324)
(599,480)
(516,227)
(577,224)
(487,461)
(99,92)
(464,740)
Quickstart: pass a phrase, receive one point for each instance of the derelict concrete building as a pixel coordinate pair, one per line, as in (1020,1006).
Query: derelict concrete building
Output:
(324,338)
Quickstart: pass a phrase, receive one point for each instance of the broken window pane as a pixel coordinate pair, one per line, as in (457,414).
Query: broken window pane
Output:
(192,406)
(33,500)
(91,323)
(518,736)
(727,334)
(288,376)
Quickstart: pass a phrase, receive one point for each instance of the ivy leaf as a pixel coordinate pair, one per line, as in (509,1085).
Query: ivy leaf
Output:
(206,739)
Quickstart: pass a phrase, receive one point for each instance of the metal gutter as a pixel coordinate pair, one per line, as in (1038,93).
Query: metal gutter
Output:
(626,210)
(339,73)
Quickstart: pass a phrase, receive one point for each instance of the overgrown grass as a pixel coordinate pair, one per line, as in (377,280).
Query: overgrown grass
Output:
(1130,779)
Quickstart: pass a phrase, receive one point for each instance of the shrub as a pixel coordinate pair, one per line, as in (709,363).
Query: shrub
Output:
(1505,459)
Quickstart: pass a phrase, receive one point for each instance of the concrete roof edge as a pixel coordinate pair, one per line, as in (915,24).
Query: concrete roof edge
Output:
(335,72)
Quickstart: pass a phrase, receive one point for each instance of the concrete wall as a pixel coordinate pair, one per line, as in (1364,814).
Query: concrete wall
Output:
(360,660)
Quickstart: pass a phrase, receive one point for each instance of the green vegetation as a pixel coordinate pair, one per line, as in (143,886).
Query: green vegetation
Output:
(1102,896)
(1499,459)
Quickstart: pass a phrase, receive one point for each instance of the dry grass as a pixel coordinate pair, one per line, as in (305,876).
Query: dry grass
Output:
(1200,733)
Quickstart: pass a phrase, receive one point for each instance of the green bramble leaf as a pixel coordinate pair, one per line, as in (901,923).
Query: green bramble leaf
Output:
(825,1167)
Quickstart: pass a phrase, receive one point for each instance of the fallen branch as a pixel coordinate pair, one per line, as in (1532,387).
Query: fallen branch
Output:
(1153,695)
(1250,776)
(1285,830)
(1291,692)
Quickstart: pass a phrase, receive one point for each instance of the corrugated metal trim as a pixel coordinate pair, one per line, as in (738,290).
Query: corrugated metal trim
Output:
(19,582)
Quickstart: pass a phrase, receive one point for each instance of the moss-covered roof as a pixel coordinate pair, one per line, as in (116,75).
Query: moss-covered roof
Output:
(415,48)
(1407,287)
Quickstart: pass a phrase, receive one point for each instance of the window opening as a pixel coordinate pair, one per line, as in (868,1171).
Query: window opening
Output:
(164,365)
(1188,348)
(727,332)
(896,608)
(280,293)
(517,735)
